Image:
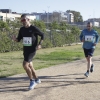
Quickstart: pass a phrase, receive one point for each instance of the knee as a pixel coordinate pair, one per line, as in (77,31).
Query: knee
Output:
(89,58)
(25,65)
(30,64)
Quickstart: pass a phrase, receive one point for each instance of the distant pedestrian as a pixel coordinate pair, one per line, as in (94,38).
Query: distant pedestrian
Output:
(29,34)
(90,38)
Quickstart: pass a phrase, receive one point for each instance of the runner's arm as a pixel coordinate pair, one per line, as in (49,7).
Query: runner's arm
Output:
(97,38)
(41,34)
(19,37)
(81,37)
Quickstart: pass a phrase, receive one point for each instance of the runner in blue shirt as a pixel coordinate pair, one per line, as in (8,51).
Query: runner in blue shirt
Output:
(90,38)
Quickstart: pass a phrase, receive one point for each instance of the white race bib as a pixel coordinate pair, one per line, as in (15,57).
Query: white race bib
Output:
(27,41)
(89,38)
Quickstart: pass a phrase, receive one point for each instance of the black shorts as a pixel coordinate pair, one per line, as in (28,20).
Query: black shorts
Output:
(88,52)
(28,56)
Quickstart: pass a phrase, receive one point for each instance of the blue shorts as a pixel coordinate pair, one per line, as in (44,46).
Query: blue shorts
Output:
(88,52)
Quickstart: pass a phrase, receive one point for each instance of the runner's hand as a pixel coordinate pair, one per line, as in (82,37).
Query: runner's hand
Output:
(38,47)
(14,38)
(83,40)
(94,44)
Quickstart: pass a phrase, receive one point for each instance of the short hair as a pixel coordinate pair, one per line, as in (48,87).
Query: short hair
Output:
(25,15)
(89,23)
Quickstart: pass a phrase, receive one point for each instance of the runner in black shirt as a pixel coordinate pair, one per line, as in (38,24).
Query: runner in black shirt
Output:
(29,34)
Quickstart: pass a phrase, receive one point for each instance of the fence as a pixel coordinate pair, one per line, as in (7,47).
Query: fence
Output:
(53,38)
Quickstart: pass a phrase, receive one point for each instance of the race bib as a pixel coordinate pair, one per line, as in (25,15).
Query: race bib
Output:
(27,41)
(89,38)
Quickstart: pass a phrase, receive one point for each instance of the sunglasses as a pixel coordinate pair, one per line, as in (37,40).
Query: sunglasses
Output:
(88,26)
(23,20)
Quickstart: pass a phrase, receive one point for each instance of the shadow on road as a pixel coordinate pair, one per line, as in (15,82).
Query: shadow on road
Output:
(13,84)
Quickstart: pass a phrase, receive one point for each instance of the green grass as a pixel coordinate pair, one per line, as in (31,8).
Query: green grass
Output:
(61,56)
(11,62)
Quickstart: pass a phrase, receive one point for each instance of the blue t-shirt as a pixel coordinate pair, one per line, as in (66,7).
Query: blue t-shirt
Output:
(89,37)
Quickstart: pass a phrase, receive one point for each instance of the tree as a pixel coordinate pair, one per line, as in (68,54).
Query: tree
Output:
(40,24)
(97,29)
(54,25)
(3,25)
(58,34)
(77,16)
(76,32)
(63,26)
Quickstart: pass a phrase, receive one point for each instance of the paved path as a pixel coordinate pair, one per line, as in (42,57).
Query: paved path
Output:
(61,82)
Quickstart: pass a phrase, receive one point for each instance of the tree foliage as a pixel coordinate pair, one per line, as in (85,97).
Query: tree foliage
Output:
(59,34)
(40,25)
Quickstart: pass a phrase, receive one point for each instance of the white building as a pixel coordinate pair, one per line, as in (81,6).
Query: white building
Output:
(13,16)
(64,17)
(10,16)
(70,17)
(32,17)
(95,24)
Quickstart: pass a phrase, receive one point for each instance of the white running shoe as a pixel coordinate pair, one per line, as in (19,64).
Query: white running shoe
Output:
(38,81)
(87,74)
(32,84)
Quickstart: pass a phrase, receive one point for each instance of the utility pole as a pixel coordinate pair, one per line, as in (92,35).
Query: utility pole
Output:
(48,16)
(93,17)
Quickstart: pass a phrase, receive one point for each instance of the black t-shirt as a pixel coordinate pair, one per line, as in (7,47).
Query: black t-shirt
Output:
(30,38)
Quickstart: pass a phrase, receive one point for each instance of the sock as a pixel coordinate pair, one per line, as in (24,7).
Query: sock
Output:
(88,71)
(91,65)
(31,79)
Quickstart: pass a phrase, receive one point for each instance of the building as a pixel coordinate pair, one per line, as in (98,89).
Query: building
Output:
(94,22)
(13,16)
(9,16)
(38,15)
(49,17)
(70,17)
(64,17)
(5,10)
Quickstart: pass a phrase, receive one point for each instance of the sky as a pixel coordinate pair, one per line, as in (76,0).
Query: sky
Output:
(87,8)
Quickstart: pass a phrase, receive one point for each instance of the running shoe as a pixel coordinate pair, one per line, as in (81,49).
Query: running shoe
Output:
(87,74)
(32,84)
(37,80)
(92,68)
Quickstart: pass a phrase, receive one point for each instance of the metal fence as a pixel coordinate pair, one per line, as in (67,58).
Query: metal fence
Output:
(53,38)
